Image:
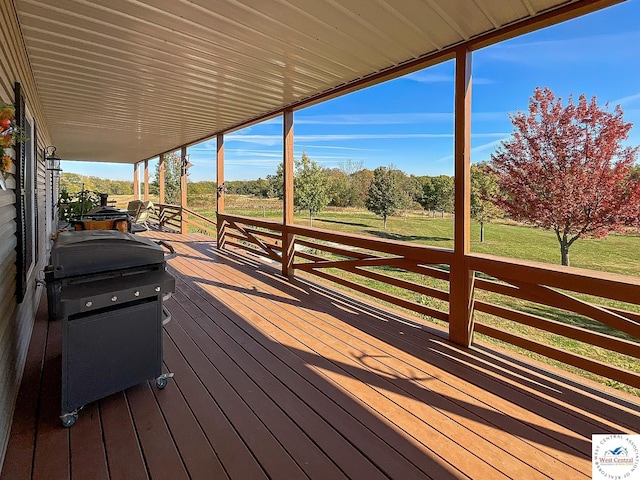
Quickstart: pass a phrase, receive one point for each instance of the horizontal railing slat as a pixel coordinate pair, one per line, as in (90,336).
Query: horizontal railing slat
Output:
(576,333)
(416,307)
(594,366)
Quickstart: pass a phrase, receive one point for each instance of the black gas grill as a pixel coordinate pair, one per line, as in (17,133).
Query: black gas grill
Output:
(107,288)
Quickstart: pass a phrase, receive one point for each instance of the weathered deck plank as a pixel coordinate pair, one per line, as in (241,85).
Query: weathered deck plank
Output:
(279,379)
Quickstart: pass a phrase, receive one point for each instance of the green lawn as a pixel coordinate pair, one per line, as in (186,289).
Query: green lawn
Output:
(615,254)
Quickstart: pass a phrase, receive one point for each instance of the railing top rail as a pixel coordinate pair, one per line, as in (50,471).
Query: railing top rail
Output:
(271,224)
(624,288)
(407,249)
(197,215)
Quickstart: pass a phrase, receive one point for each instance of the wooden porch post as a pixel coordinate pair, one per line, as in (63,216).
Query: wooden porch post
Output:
(461,279)
(136,182)
(146,180)
(287,199)
(183,190)
(220,189)
(161,178)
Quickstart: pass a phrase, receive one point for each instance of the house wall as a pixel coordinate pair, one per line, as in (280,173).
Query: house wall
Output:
(16,320)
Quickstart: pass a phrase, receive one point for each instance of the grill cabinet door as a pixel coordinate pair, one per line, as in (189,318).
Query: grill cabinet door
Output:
(109,351)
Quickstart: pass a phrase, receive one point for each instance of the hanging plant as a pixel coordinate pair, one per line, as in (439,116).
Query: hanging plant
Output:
(9,134)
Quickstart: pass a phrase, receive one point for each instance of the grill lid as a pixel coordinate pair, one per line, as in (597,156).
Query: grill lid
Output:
(94,251)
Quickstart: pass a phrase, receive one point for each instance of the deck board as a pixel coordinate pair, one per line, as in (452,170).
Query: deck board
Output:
(124,454)
(52,456)
(20,451)
(288,379)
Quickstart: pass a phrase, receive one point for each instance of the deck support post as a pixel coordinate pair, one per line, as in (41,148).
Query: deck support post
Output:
(183,190)
(161,196)
(461,278)
(136,182)
(220,189)
(161,166)
(146,180)
(288,240)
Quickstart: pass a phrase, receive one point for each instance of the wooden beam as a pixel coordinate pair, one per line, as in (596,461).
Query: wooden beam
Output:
(461,287)
(161,166)
(183,190)
(146,180)
(287,198)
(136,182)
(220,189)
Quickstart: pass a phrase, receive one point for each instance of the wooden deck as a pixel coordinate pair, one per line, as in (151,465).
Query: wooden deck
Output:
(287,380)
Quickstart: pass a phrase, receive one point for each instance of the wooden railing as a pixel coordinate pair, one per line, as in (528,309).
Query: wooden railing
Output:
(259,237)
(541,291)
(572,303)
(177,218)
(168,216)
(363,262)
(200,222)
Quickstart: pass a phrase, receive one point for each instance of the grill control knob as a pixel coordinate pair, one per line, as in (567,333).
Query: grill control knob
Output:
(136,294)
(114,298)
(157,289)
(88,304)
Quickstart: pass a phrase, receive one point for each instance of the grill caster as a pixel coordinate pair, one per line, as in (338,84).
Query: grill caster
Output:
(161,381)
(69,419)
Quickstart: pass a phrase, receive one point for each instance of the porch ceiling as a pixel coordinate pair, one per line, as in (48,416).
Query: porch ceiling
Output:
(124,80)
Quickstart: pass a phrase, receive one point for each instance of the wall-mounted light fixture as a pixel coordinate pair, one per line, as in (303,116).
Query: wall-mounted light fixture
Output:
(52,161)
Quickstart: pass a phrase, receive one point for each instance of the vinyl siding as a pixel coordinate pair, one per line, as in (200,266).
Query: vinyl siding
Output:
(16,320)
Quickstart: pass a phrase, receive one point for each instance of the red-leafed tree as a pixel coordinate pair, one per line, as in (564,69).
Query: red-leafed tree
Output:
(564,168)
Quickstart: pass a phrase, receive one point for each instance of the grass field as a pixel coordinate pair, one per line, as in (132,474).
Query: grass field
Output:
(615,254)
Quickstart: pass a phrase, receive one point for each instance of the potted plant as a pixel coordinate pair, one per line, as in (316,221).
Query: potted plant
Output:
(9,134)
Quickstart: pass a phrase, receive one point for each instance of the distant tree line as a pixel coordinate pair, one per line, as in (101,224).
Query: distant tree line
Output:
(73,183)
(385,191)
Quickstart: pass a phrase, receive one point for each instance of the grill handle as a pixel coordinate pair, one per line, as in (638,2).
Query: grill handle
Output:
(172,252)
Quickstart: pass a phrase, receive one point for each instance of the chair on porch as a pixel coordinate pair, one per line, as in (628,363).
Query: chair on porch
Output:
(139,212)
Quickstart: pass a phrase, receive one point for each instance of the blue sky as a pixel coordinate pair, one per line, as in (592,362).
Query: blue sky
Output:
(408,122)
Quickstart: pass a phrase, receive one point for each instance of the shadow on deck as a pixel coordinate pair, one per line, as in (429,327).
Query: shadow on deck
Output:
(278,379)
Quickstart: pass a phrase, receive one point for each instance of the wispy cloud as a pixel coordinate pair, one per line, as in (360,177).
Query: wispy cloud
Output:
(254,153)
(266,140)
(571,50)
(396,118)
(339,147)
(257,162)
(626,101)
(478,149)
(271,139)
(428,77)
(488,146)
(425,76)
(374,118)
